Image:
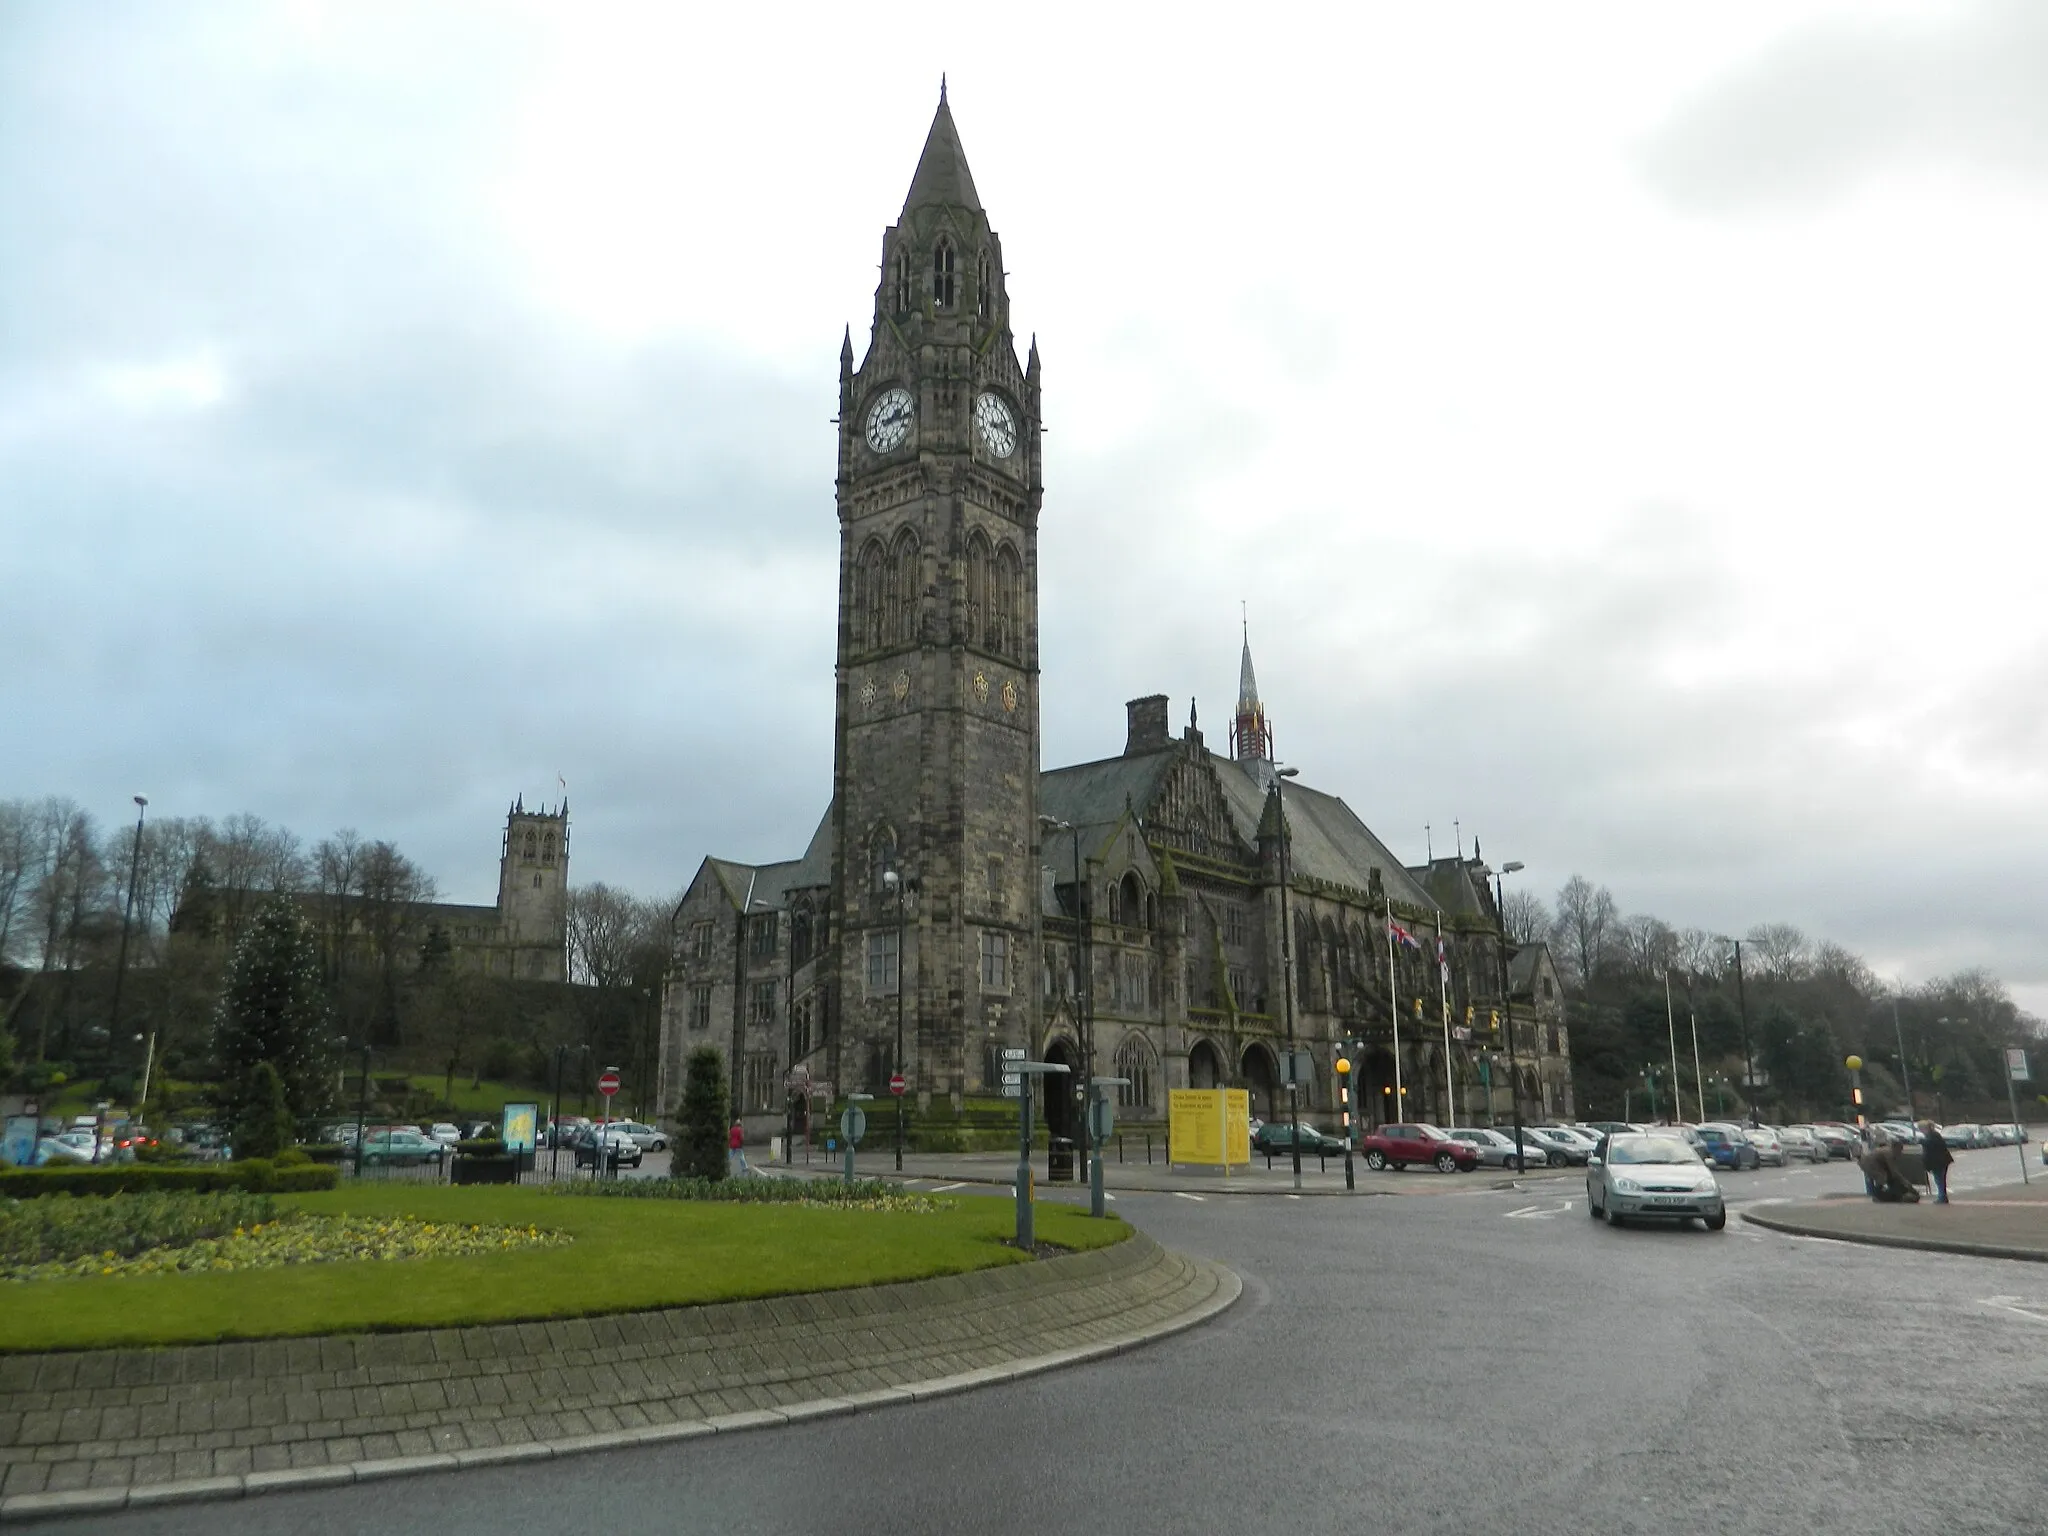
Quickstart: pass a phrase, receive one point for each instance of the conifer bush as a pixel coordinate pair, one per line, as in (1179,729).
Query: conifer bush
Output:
(700,1150)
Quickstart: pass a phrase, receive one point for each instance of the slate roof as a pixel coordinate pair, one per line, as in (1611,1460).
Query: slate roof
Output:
(1329,842)
(1449,883)
(942,176)
(757,887)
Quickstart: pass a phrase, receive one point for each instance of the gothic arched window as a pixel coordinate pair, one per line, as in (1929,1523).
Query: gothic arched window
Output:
(899,281)
(942,273)
(907,585)
(979,620)
(1134,1060)
(547,849)
(1006,631)
(532,843)
(801,937)
(881,857)
(867,598)
(985,288)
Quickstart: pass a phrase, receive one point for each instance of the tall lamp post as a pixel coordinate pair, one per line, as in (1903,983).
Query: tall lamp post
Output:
(1507,1004)
(1280,778)
(1742,1012)
(894,882)
(1905,1072)
(127,918)
(1084,988)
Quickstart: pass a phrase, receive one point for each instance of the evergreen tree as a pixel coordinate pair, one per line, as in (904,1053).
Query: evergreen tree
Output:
(700,1150)
(273,1010)
(263,1127)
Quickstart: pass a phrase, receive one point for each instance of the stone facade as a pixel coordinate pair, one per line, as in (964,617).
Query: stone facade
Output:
(949,861)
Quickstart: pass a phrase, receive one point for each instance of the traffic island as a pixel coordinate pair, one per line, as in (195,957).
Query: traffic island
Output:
(2008,1222)
(91,1431)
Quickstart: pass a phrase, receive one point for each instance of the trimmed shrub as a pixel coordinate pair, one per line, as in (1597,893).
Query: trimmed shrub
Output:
(136,1178)
(700,1149)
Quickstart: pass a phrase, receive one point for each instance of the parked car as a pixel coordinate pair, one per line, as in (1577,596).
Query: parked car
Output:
(1495,1150)
(1396,1146)
(399,1147)
(1545,1149)
(1724,1146)
(1902,1131)
(1768,1148)
(1840,1140)
(445,1133)
(647,1137)
(1965,1137)
(1654,1176)
(64,1149)
(1802,1141)
(617,1149)
(1278,1136)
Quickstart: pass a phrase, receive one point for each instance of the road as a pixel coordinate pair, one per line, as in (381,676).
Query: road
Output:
(1464,1360)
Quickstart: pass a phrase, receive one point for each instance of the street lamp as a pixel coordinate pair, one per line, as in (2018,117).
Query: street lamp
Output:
(1905,1073)
(1507,1003)
(1742,1007)
(893,882)
(1280,778)
(1084,986)
(127,917)
(363,1103)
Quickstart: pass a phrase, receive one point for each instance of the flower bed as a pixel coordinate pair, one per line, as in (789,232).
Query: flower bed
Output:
(861,1195)
(61,1228)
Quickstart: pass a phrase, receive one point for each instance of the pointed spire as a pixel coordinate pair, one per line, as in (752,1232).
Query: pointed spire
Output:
(1251,734)
(942,176)
(1247,683)
(846,350)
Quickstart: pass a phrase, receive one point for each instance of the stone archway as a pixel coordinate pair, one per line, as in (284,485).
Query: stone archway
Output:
(1376,1087)
(1260,1073)
(1205,1066)
(1057,1102)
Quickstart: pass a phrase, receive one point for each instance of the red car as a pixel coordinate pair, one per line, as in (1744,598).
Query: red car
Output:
(1396,1146)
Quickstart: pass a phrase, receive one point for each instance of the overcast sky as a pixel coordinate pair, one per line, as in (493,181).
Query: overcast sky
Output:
(1625,423)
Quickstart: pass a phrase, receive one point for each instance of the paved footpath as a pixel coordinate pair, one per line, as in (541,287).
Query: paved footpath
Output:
(2006,1222)
(99,1430)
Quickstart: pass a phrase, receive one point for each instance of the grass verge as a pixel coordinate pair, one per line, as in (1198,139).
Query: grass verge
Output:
(626,1256)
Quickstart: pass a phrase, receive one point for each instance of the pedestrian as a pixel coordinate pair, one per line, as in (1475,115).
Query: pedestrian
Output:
(1934,1147)
(735,1142)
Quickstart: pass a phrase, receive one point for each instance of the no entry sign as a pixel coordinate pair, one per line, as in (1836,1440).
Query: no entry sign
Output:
(896,1085)
(608,1084)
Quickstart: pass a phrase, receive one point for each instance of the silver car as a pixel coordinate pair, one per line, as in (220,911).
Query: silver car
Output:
(1495,1150)
(1653,1176)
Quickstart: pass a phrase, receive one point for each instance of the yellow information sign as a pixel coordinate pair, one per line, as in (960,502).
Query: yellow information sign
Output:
(1210,1127)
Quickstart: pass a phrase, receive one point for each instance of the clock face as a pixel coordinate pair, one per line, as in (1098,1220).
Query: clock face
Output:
(997,425)
(889,419)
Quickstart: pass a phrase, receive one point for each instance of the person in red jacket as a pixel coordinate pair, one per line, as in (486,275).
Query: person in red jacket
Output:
(735,1142)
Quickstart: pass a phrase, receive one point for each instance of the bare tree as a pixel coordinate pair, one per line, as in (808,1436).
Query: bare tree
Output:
(1526,917)
(608,929)
(1582,930)
(1648,946)
(337,867)
(1701,952)
(1781,952)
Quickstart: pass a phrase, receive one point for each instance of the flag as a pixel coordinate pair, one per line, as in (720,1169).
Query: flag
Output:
(1443,963)
(1402,934)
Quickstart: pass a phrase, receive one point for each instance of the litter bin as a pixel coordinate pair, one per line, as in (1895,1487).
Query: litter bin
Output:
(1059,1160)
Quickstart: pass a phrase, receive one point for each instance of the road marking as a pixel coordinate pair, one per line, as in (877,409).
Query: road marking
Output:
(1107,1195)
(2011,1304)
(1539,1212)
(941,1189)
(1181,1194)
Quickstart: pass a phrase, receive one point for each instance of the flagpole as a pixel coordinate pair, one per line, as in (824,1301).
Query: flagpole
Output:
(1699,1082)
(1394,1006)
(1671,1025)
(1443,990)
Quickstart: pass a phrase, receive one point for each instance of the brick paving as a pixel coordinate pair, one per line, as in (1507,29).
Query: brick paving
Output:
(98,1430)
(2008,1222)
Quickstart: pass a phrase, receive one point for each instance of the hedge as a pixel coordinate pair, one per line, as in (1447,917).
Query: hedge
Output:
(135,1178)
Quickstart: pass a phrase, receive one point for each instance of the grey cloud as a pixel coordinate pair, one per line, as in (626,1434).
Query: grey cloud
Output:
(1810,117)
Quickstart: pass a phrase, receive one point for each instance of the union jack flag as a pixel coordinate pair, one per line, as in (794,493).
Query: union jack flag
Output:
(1402,934)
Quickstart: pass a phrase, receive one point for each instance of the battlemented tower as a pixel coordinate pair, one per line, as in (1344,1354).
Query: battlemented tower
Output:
(533,891)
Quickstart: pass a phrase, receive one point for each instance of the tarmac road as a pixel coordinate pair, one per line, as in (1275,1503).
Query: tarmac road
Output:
(1486,1361)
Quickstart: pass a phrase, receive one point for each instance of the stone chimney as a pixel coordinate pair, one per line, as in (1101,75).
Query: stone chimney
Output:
(1147,730)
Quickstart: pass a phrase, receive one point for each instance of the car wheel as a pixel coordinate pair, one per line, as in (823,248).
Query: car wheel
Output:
(657,1145)
(1613,1216)
(1592,1210)
(1556,1159)
(1375,1159)
(1445,1163)
(1715,1222)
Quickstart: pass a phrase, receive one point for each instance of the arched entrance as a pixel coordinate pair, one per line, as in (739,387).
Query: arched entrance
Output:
(1058,1103)
(1376,1087)
(1205,1066)
(1261,1074)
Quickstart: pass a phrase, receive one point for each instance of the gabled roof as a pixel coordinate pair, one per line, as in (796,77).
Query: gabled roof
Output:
(942,177)
(1096,794)
(1329,842)
(759,887)
(1449,883)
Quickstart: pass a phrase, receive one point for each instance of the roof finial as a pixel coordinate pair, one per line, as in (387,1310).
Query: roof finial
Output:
(942,87)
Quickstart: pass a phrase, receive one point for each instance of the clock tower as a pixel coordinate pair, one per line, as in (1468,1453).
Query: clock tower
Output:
(935,747)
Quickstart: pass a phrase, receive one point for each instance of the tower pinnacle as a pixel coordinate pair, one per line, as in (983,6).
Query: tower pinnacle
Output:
(1251,734)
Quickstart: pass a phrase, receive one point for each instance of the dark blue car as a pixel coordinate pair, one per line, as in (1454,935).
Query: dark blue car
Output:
(1724,1146)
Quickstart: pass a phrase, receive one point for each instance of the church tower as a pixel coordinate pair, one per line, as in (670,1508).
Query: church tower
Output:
(533,893)
(1251,734)
(936,748)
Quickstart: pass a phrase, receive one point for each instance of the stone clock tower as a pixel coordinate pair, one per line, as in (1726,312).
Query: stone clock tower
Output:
(935,748)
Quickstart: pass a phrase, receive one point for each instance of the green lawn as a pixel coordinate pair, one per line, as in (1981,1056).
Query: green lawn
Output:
(628,1255)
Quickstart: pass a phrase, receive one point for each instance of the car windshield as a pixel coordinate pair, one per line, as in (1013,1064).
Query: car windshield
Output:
(1650,1149)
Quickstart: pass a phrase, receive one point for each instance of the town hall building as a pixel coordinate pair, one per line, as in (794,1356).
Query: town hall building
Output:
(1160,914)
